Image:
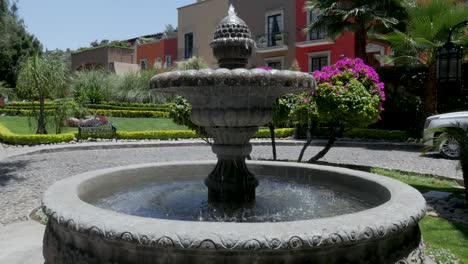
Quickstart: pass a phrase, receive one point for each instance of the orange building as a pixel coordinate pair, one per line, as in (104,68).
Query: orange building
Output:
(161,52)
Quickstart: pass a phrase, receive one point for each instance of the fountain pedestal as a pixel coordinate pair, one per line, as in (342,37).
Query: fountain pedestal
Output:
(231,183)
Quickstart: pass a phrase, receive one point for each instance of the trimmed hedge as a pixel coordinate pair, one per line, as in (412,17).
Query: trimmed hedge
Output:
(162,135)
(185,134)
(136,108)
(129,113)
(8,137)
(139,105)
(279,133)
(104,112)
(14,139)
(22,112)
(363,133)
(388,135)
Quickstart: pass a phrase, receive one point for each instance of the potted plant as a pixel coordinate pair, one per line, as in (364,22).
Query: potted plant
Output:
(262,42)
(279,39)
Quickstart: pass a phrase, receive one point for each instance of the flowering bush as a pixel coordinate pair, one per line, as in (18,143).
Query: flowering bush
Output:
(348,94)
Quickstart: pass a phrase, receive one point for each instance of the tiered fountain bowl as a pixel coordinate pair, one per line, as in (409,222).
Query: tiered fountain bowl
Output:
(259,212)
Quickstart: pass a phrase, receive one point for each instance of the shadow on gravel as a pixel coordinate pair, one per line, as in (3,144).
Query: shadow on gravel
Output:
(433,155)
(8,171)
(381,147)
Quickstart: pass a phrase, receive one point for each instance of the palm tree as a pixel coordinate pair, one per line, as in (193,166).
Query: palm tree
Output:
(460,135)
(428,26)
(42,78)
(360,17)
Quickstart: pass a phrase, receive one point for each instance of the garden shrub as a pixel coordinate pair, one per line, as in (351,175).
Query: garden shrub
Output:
(162,135)
(404,91)
(136,108)
(279,133)
(379,134)
(349,94)
(130,113)
(6,136)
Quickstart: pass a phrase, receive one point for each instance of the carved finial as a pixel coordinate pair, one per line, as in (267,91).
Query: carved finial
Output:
(231,11)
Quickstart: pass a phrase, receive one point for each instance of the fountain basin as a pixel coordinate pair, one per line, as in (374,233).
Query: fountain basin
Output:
(77,231)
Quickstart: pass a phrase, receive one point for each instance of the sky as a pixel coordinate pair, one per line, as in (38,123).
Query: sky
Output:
(73,24)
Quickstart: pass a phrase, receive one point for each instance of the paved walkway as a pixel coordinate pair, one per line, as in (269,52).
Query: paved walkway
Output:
(21,243)
(26,172)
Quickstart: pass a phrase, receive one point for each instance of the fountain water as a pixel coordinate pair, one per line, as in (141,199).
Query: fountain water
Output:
(159,213)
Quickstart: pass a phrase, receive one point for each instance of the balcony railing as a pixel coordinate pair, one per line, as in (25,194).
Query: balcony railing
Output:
(272,40)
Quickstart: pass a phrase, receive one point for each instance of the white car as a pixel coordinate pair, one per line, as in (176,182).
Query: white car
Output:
(448,148)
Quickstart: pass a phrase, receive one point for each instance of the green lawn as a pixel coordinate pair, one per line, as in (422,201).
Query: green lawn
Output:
(439,234)
(20,124)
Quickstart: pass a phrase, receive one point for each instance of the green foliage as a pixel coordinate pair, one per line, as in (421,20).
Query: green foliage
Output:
(23,112)
(283,109)
(105,43)
(279,133)
(10,138)
(90,87)
(194,63)
(360,17)
(440,234)
(180,110)
(387,135)
(6,90)
(160,135)
(139,107)
(65,108)
(170,30)
(16,44)
(95,87)
(427,29)
(129,113)
(346,104)
(42,78)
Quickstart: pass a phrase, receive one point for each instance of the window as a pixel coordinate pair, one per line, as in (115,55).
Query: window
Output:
(143,64)
(318,60)
(315,34)
(277,65)
(168,61)
(188,46)
(275,62)
(274,28)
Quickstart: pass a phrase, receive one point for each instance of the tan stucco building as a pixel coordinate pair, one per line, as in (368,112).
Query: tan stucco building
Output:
(273,26)
(196,25)
(272,23)
(105,57)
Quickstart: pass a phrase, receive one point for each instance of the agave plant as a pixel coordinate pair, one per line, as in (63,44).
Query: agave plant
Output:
(456,134)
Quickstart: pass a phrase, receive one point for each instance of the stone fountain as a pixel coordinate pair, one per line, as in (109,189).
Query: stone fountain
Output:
(259,212)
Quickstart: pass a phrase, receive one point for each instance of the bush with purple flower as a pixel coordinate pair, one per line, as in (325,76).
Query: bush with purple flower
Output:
(348,95)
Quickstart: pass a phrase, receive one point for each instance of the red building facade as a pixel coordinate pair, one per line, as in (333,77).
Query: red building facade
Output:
(161,52)
(315,50)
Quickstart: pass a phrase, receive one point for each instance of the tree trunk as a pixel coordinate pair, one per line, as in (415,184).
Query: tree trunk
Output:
(309,140)
(331,140)
(273,143)
(430,92)
(360,42)
(465,181)
(41,123)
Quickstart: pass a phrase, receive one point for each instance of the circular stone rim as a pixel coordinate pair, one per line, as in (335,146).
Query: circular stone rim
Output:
(221,77)
(62,204)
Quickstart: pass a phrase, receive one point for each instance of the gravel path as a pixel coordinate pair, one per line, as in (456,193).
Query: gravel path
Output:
(23,179)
